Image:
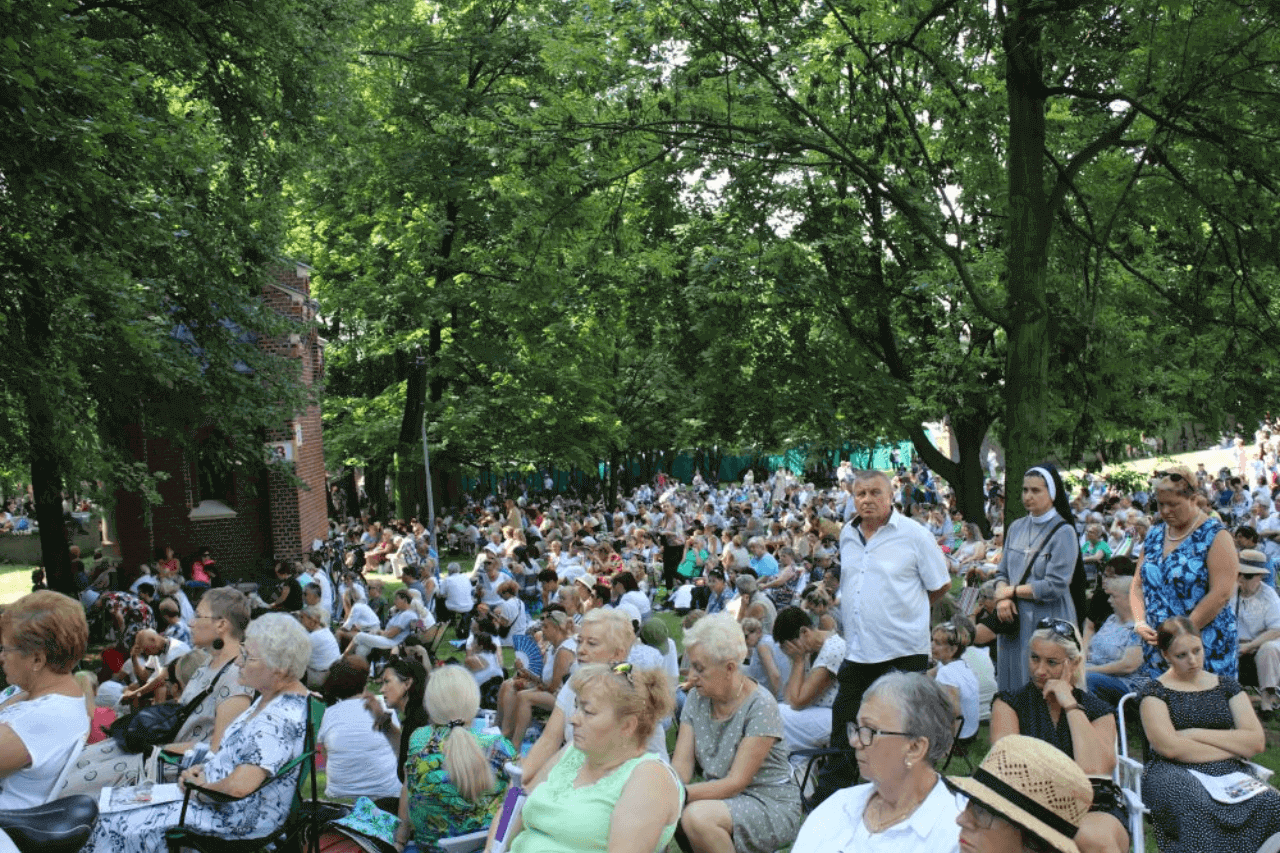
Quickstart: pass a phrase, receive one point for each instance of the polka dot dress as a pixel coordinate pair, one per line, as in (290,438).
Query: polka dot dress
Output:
(766,816)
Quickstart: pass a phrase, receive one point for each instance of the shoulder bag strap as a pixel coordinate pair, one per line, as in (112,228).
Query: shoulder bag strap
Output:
(1027,572)
(203,694)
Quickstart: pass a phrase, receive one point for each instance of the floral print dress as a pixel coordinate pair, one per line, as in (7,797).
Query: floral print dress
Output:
(1173,585)
(436,809)
(269,739)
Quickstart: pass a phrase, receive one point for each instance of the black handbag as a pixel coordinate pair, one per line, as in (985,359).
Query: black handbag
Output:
(157,725)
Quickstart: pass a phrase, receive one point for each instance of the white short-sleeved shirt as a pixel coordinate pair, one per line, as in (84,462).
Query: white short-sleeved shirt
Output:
(491,668)
(403,622)
(362,617)
(359,760)
(837,825)
(48,727)
(830,656)
(979,660)
(176,649)
(326,588)
(958,675)
(638,599)
(324,649)
(884,589)
(512,610)
(458,596)
(1257,614)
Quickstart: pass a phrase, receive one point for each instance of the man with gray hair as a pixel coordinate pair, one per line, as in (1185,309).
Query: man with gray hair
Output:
(891,572)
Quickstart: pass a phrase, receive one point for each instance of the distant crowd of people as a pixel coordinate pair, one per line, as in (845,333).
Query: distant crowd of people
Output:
(870,618)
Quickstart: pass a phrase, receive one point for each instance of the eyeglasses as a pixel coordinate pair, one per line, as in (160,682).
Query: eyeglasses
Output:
(1061,627)
(983,817)
(626,670)
(866,735)
(1172,475)
(5,650)
(244,656)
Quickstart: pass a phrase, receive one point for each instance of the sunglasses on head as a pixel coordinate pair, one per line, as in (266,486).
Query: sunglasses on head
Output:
(1061,627)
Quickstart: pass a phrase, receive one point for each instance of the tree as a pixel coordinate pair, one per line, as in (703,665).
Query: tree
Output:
(140,160)
(949,142)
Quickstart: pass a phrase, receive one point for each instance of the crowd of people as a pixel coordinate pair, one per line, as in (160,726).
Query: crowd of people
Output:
(868,616)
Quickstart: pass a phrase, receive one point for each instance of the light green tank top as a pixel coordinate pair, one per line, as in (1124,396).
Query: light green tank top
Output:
(559,818)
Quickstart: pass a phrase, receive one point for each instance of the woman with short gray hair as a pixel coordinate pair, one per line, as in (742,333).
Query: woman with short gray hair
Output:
(259,742)
(732,729)
(323,645)
(904,728)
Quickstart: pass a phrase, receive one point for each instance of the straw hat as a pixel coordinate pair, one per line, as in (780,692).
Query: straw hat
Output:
(1032,785)
(1252,562)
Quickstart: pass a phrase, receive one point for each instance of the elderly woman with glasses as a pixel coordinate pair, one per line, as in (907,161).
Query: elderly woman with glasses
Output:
(1189,567)
(732,729)
(903,729)
(257,744)
(43,713)
(1054,707)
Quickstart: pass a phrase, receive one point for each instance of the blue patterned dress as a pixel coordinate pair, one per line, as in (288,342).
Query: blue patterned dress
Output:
(436,809)
(268,740)
(1173,585)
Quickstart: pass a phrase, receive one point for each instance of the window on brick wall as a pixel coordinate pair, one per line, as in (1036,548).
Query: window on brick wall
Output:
(215,479)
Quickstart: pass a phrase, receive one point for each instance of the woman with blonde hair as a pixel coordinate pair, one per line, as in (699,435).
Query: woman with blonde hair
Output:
(454,778)
(1054,707)
(605,636)
(606,790)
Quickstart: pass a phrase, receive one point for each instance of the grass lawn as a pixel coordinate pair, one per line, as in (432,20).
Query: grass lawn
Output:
(15,582)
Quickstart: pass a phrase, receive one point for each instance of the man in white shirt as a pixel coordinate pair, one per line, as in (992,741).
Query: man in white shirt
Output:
(1257,608)
(150,658)
(811,688)
(891,572)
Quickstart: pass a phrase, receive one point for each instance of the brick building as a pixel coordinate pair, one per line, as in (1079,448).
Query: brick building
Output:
(246,517)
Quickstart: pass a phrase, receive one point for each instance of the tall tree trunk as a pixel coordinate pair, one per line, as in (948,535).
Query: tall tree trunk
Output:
(375,478)
(1026,391)
(410,478)
(348,484)
(47,463)
(46,483)
(965,475)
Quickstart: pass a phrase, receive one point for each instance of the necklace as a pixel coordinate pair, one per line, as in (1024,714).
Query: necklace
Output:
(727,710)
(1187,532)
(881,821)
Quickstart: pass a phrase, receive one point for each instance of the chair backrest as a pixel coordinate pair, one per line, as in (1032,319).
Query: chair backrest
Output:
(1128,775)
(315,714)
(468,843)
(61,782)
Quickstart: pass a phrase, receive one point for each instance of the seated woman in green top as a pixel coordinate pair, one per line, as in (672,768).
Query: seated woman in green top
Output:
(605,791)
(695,557)
(454,780)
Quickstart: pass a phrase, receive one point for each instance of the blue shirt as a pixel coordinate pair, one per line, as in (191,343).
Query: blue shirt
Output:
(765,565)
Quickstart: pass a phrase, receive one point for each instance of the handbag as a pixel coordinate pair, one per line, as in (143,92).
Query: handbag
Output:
(157,725)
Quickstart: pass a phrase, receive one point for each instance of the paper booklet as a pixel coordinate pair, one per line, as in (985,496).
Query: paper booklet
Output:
(137,796)
(1231,788)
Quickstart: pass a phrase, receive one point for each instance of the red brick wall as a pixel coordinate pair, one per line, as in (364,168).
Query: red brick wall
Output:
(239,544)
(299,515)
(274,519)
